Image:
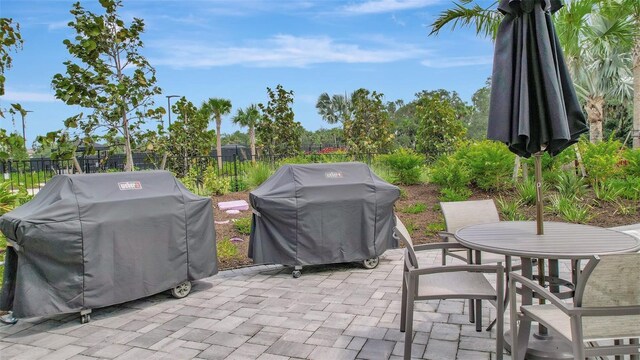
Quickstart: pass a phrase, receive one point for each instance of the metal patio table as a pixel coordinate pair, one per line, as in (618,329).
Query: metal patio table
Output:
(560,241)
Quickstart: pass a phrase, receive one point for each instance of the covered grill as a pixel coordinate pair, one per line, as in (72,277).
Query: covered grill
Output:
(88,241)
(321,214)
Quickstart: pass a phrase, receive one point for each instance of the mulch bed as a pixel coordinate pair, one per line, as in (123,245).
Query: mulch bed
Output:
(604,215)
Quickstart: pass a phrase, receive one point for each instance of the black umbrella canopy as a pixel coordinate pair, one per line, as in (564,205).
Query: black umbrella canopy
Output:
(534,106)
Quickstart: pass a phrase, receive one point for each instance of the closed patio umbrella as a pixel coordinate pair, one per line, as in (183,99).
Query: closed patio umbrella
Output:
(534,107)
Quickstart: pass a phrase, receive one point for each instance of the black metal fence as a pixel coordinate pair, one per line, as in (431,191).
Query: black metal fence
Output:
(34,173)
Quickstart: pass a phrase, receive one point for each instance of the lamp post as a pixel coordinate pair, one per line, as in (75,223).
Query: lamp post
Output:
(169,106)
(23,113)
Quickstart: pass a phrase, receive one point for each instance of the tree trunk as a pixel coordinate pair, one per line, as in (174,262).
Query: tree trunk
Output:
(636,94)
(218,142)
(595,116)
(128,166)
(76,164)
(252,140)
(163,163)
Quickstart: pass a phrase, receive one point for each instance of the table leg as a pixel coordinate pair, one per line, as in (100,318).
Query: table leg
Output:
(478,303)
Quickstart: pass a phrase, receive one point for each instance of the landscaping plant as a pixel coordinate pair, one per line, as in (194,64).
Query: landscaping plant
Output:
(405,165)
(243,225)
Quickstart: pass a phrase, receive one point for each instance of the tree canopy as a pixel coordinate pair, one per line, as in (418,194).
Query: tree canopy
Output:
(108,75)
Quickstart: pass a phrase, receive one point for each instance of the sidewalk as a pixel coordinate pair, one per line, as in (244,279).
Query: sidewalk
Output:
(331,312)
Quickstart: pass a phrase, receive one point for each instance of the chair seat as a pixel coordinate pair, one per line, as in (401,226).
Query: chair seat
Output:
(455,285)
(550,315)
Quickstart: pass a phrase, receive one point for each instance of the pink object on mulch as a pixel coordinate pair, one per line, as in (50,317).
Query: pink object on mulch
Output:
(236,239)
(232,212)
(233,205)
(221,222)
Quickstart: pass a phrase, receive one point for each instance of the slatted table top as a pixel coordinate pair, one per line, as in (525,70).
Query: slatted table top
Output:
(560,240)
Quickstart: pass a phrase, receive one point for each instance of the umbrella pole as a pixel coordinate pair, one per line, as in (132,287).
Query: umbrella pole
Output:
(540,225)
(539,205)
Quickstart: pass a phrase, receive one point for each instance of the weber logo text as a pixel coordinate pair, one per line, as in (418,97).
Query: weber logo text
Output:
(333,175)
(130,185)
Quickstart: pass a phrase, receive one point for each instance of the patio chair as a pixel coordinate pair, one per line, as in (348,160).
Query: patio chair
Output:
(445,282)
(606,307)
(458,214)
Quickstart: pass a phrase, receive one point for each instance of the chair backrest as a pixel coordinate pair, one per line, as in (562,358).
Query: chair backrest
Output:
(610,281)
(403,234)
(458,214)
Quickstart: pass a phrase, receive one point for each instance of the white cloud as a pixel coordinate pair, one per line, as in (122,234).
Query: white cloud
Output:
(383,6)
(458,61)
(28,96)
(57,25)
(278,51)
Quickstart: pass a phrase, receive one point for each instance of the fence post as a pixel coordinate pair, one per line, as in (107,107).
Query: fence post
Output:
(369,158)
(235,171)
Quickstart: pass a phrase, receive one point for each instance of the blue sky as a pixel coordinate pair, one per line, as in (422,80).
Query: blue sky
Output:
(236,48)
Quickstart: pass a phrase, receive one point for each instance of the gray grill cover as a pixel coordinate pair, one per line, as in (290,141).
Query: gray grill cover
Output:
(322,214)
(94,240)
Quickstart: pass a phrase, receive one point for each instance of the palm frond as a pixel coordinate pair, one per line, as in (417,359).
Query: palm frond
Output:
(468,14)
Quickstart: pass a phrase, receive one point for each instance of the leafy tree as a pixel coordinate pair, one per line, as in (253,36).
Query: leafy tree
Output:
(478,121)
(368,130)
(10,39)
(405,125)
(277,130)
(249,117)
(12,146)
(108,75)
(440,129)
(62,146)
(235,138)
(188,135)
(332,137)
(216,108)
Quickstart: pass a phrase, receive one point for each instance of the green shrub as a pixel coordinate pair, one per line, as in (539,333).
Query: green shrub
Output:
(450,172)
(257,174)
(569,185)
(569,208)
(226,249)
(411,226)
(298,159)
(243,225)
(191,181)
(628,188)
(605,191)
(403,194)
(527,191)
(213,184)
(601,160)
(405,165)
(491,164)
(632,166)
(455,194)
(624,209)
(383,172)
(416,208)
(510,210)
(434,228)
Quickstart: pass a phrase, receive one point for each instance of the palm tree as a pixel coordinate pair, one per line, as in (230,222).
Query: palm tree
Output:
(334,109)
(216,108)
(249,117)
(595,35)
(597,43)
(467,13)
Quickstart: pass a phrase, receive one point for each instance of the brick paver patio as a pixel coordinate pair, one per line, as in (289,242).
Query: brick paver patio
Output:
(336,312)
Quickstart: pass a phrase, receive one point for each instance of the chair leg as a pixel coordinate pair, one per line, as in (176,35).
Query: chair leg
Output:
(408,331)
(524,330)
(478,315)
(403,306)
(500,332)
(444,257)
